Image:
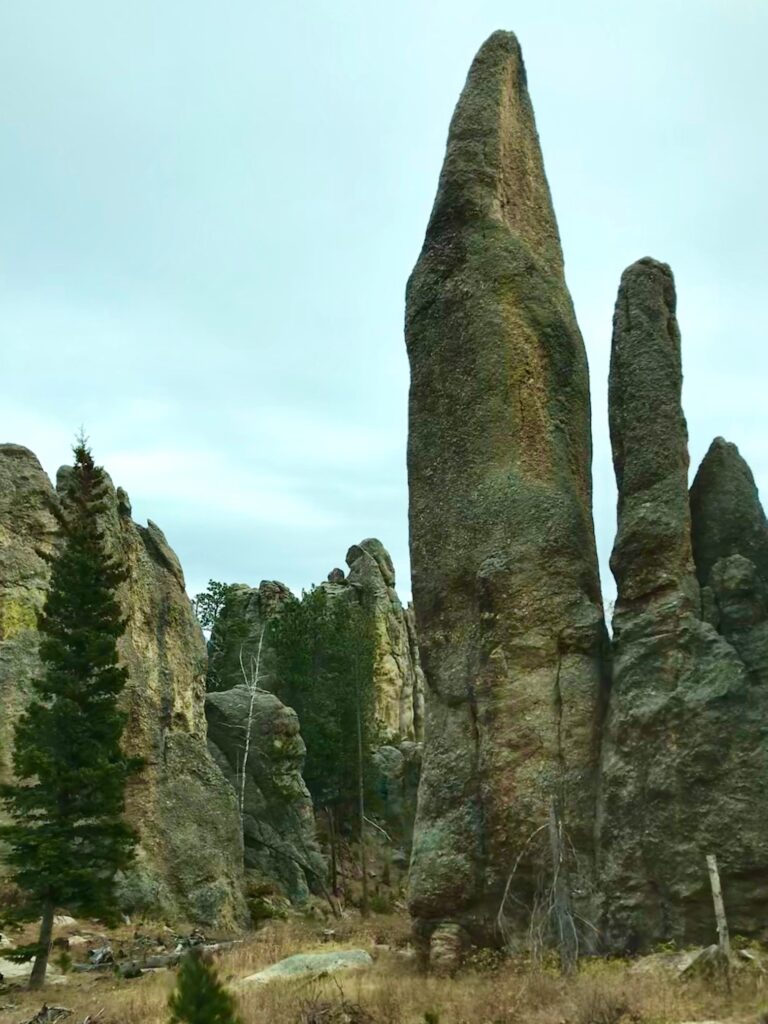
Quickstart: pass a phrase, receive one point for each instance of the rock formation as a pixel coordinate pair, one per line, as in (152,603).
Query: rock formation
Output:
(28,534)
(730,549)
(278,820)
(398,677)
(684,757)
(189,861)
(505,580)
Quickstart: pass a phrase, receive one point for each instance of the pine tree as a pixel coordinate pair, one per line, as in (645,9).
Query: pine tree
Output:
(67,839)
(325,656)
(199,996)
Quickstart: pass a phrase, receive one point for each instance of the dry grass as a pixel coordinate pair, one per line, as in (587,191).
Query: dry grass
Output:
(393,993)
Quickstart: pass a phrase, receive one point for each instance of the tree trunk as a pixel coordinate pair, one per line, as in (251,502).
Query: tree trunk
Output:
(361,801)
(40,966)
(567,937)
(332,839)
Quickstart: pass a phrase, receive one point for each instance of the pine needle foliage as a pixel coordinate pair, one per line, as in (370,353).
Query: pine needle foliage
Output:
(66,839)
(199,996)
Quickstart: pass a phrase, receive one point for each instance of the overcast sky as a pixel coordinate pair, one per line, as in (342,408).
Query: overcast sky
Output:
(208,212)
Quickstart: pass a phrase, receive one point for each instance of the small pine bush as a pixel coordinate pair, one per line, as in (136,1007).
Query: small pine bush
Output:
(199,996)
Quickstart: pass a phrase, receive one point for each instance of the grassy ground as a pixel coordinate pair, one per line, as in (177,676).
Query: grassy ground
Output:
(488,991)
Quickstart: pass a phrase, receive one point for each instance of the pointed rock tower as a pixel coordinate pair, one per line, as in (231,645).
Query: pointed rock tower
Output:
(730,547)
(505,580)
(685,756)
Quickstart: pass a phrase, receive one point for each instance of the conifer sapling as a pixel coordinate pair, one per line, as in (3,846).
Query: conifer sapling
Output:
(67,838)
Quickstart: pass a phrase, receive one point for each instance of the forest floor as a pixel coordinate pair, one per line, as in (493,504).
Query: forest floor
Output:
(489,990)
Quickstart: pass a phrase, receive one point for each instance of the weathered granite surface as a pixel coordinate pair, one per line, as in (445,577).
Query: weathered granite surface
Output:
(505,580)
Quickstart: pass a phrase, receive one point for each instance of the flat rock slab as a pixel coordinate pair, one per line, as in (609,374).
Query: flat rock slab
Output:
(12,971)
(304,964)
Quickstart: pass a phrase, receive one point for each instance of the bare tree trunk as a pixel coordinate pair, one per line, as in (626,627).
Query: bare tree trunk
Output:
(567,938)
(40,966)
(361,802)
(332,838)
(253,684)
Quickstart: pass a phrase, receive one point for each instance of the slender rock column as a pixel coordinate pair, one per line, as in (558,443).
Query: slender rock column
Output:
(684,757)
(505,580)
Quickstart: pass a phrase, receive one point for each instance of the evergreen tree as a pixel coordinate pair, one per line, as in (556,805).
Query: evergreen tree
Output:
(199,996)
(67,839)
(325,655)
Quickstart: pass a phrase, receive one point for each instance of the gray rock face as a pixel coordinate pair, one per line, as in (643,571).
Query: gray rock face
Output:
(685,756)
(189,861)
(505,581)
(278,821)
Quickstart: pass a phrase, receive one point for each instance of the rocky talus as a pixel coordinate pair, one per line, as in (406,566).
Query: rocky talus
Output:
(189,862)
(685,757)
(505,580)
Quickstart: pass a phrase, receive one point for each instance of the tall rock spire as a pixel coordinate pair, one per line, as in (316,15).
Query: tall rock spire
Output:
(505,580)
(684,757)
(649,439)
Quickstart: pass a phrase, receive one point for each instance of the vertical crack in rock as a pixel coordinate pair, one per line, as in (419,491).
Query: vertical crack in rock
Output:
(505,578)
(684,757)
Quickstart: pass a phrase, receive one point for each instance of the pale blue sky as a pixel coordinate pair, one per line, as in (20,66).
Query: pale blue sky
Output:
(208,212)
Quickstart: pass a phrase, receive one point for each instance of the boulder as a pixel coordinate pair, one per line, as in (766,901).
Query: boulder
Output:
(277,817)
(305,965)
(505,580)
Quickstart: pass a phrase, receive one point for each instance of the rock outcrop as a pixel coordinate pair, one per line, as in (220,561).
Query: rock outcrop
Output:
(505,580)
(398,677)
(243,626)
(685,756)
(189,862)
(730,549)
(240,636)
(28,536)
(277,816)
